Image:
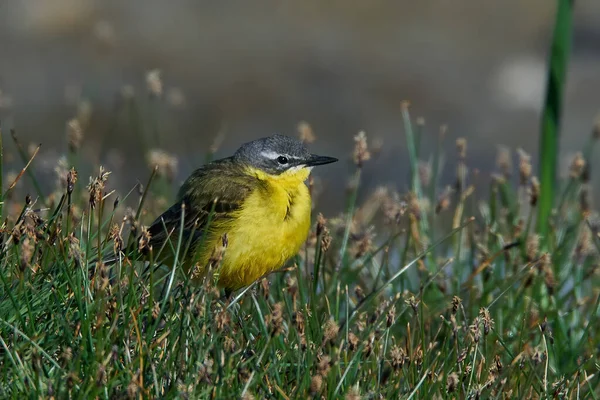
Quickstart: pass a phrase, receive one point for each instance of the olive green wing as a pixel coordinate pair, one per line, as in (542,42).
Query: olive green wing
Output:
(213,193)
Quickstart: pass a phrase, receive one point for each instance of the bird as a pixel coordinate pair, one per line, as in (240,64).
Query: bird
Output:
(254,204)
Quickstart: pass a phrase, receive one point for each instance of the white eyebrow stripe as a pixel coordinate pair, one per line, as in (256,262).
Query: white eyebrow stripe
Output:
(273,155)
(270,154)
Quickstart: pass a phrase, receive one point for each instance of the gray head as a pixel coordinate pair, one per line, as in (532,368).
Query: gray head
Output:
(276,154)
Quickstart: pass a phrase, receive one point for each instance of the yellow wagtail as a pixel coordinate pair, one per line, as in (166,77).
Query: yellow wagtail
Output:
(257,198)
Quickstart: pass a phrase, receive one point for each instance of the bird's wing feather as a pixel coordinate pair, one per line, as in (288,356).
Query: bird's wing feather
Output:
(213,192)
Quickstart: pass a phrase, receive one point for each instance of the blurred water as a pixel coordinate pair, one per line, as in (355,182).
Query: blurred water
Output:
(251,69)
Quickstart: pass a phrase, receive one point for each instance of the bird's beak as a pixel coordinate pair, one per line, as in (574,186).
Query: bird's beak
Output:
(319,160)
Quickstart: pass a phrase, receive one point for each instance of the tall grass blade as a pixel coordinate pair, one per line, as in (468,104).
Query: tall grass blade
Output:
(550,126)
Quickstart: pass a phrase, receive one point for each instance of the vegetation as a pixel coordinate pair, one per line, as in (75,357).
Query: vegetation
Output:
(436,293)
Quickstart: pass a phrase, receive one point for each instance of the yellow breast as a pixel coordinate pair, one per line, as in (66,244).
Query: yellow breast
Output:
(270,228)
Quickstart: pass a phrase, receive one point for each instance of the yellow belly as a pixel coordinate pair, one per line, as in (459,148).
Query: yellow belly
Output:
(269,229)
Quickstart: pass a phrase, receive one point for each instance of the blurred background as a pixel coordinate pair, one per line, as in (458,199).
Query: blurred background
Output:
(238,70)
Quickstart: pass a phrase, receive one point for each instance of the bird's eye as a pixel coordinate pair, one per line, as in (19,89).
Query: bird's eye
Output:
(282,160)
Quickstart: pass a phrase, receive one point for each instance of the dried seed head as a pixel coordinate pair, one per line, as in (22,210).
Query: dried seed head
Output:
(456,302)
(474,330)
(26,254)
(96,187)
(413,302)
(549,278)
(165,163)
(487,320)
(398,357)
(316,383)
(133,388)
(577,166)
(71,180)
(359,292)
(248,396)
(222,320)
(444,200)
(325,240)
(532,247)
(154,82)
(74,135)
(321,221)
(353,394)
(414,208)
(323,365)
(117,239)
(391,205)
(353,341)
(275,319)
(524,166)
(299,321)
(330,330)
(144,246)
(265,287)
(306,132)
(504,161)
(391,316)
(452,382)
(361,150)
(362,243)
(534,191)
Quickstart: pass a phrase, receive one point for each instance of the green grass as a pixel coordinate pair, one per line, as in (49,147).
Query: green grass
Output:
(426,294)
(551,115)
(500,320)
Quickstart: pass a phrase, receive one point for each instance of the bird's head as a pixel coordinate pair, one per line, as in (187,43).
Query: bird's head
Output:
(280,156)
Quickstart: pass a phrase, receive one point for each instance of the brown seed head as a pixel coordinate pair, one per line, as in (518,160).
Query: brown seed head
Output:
(300,322)
(532,247)
(144,246)
(353,341)
(524,166)
(165,163)
(391,316)
(316,383)
(353,394)
(96,187)
(275,319)
(222,320)
(444,200)
(330,330)
(361,150)
(74,134)
(398,357)
(117,239)
(71,180)
(486,318)
(452,382)
(306,132)
(323,365)
(456,302)
(577,166)
(534,191)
